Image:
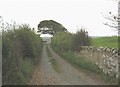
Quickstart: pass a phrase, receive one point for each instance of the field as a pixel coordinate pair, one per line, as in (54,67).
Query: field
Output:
(111,42)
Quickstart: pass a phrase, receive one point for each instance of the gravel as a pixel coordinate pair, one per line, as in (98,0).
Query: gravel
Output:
(44,74)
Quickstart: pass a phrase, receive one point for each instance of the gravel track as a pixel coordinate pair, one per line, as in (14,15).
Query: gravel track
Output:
(44,73)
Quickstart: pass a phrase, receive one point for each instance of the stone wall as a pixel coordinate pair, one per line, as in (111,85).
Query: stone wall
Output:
(105,58)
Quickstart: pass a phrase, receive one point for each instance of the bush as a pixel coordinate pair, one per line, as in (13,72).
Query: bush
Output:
(67,41)
(62,41)
(21,50)
(81,38)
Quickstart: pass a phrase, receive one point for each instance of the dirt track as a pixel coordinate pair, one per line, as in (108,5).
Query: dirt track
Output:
(45,75)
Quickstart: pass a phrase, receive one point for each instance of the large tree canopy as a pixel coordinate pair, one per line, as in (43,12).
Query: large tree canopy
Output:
(50,27)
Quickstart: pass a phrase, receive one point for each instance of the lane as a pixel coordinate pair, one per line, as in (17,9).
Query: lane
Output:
(45,74)
(73,75)
(48,73)
(69,75)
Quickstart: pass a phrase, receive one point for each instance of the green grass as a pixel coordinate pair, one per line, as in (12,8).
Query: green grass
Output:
(27,69)
(78,61)
(48,52)
(82,63)
(111,42)
(54,63)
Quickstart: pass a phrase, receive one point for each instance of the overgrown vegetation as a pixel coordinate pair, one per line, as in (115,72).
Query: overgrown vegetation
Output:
(111,42)
(21,49)
(48,51)
(52,60)
(66,41)
(78,61)
(84,64)
(67,44)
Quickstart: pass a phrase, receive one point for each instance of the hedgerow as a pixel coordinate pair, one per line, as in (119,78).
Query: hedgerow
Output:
(21,50)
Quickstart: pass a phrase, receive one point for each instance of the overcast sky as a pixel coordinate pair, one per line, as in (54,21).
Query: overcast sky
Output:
(70,13)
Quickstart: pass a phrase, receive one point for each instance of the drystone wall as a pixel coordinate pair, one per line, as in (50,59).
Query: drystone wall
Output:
(105,58)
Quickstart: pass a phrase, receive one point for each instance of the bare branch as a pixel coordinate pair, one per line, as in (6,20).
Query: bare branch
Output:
(111,17)
(113,21)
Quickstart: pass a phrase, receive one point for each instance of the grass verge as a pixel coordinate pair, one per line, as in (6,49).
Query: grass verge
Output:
(52,60)
(82,63)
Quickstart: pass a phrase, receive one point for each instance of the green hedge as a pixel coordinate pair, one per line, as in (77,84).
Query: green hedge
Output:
(67,41)
(21,50)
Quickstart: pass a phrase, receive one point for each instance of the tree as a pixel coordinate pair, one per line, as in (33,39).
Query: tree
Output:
(81,38)
(50,27)
(113,20)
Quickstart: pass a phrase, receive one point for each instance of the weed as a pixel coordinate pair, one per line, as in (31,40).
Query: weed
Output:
(83,63)
(52,61)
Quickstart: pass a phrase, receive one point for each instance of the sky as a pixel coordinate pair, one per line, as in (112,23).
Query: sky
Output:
(72,14)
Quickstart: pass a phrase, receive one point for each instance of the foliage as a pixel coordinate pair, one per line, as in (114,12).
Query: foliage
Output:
(67,41)
(50,26)
(111,42)
(21,50)
(62,41)
(66,45)
(81,38)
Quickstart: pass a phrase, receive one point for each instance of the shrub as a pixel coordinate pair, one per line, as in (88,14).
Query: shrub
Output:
(21,50)
(67,41)
(62,41)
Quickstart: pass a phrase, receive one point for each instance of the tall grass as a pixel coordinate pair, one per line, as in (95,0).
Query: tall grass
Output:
(48,52)
(52,60)
(83,63)
(78,61)
(21,49)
